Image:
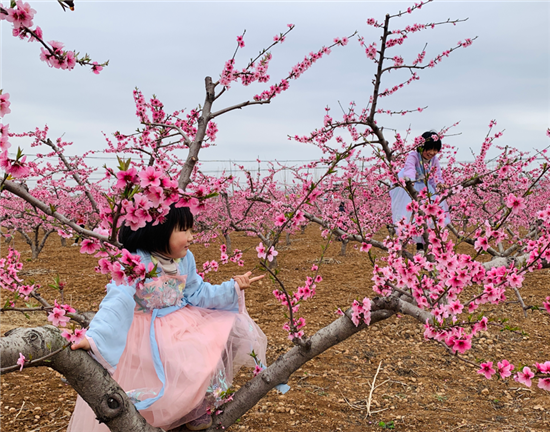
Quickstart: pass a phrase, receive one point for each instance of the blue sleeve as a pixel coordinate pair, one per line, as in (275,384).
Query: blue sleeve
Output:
(110,325)
(202,294)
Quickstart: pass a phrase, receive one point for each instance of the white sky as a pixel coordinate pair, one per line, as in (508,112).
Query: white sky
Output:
(167,48)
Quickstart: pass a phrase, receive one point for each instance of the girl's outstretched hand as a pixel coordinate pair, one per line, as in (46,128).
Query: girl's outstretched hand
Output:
(245,280)
(82,343)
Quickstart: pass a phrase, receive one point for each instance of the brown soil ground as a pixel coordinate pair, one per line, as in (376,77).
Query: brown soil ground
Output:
(419,387)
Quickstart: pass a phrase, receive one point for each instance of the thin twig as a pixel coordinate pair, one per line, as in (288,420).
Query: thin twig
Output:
(32,362)
(372,387)
(21,409)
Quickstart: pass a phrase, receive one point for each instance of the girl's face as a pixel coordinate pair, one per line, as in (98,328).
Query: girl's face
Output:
(179,243)
(429,154)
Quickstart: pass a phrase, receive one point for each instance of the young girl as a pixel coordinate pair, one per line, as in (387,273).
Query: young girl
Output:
(175,344)
(418,164)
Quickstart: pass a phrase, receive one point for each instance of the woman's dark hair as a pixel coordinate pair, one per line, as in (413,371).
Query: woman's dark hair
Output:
(156,238)
(429,142)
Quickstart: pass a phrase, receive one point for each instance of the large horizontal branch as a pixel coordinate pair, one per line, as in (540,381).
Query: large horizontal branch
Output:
(522,259)
(397,304)
(22,193)
(329,336)
(500,259)
(91,381)
(281,370)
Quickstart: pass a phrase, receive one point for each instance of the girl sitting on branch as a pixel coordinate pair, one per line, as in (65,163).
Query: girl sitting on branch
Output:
(173,343)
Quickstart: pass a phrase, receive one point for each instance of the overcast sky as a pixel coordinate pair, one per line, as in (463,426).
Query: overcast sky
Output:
(167,48)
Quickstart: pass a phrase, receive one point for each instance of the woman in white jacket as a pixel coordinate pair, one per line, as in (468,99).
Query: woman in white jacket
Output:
(423,169)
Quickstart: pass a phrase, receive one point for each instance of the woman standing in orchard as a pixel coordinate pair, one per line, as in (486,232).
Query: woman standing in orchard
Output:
(174,342)
(423,169)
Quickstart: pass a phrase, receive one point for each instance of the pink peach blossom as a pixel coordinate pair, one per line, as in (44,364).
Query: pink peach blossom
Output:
(525,376)
(21,361)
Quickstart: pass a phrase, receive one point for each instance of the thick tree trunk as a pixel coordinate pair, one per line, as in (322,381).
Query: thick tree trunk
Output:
(343,247)
(227,242)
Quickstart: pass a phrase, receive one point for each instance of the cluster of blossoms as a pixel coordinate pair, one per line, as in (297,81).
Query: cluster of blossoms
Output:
(235,257)
(154,117)
(58,316)
(360,312)
(304,292)
(523,376)
(456,337)
(371,51)
(223,254)
(9,268)
(18,167)
(467,42)
(255,71)
(57,57)
(341,41)
(296,72)
(298,219)
(263,254)
(124,268)
(21,16)
(307,291)
(208,266)
(419,59)
(157,191)
(298,324)
(75,336)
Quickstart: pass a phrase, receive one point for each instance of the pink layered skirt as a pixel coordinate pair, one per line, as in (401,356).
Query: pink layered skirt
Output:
(201,350)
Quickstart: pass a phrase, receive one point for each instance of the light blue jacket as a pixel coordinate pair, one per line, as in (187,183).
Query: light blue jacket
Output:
(109,328)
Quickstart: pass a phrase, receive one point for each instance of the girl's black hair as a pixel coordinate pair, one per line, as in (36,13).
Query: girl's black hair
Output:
(429,142)
(156,238)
